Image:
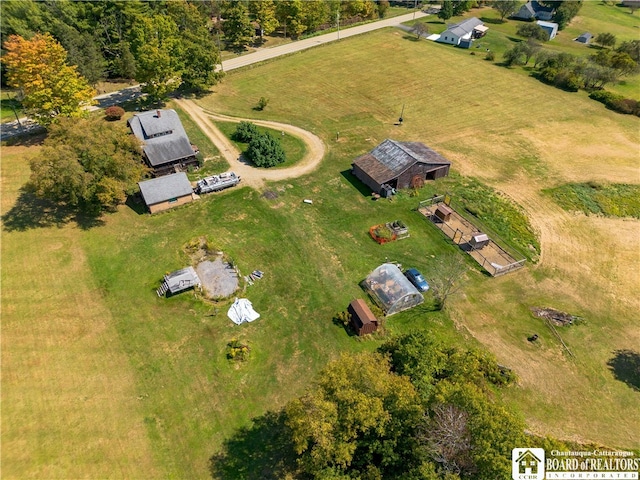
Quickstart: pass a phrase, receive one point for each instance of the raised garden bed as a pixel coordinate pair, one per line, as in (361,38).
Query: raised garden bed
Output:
(382,234)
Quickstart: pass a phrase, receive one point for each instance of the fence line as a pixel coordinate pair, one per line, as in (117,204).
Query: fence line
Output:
(457,236)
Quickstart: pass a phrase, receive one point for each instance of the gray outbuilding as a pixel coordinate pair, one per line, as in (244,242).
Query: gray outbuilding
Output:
(166,192)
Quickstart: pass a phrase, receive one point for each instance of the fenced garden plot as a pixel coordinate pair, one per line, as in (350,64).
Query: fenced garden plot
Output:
(494,258)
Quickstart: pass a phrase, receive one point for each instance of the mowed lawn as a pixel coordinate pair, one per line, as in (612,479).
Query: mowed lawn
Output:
(69,393)
(520,136)
(91,356)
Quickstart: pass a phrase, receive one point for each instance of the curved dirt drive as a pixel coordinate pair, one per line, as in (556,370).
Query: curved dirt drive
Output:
(251,175)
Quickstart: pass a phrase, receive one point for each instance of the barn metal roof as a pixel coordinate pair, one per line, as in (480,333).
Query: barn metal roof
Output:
(165,188)
(171,142)
(389,159)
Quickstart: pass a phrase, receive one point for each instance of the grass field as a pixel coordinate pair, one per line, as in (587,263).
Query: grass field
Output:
(594,17)
(92,356)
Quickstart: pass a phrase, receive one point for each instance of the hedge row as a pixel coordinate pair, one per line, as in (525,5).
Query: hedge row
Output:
(617,102)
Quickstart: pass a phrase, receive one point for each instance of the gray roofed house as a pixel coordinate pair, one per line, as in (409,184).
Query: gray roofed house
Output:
(399,165)
(466,30)
(165,192)
(533,10)
(166,146)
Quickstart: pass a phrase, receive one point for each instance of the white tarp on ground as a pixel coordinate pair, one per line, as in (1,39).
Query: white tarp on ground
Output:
(242,311)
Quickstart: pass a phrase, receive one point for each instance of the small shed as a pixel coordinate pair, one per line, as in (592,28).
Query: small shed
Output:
(584,38)
(391,289)
(443,212)
(478,241)
(178,281)
(362,318)
(550,27)
(166,192)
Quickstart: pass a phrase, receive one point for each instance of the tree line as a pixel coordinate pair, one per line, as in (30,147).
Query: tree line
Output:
(165,45)
(414,409)
(168,43)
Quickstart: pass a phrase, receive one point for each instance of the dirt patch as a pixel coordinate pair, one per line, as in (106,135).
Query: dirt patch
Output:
(219,279)
(556,317)
(270,195)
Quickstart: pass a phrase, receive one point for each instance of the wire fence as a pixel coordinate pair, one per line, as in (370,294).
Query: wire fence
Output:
(494,256)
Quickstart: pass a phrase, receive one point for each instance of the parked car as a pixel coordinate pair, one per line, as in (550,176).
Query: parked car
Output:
(415,277)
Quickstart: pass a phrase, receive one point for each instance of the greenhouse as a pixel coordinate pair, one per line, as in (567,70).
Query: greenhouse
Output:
(391,290)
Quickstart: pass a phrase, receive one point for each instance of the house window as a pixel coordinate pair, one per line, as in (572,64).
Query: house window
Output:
(173,200)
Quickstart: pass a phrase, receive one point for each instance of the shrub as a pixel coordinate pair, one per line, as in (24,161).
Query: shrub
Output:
(617,102)
(237,351)
(245,132)
(490,56)
(265,151)
(113,113)
(262,103)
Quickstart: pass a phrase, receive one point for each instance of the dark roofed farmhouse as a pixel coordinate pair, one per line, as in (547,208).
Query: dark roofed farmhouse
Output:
(399,165)
(166,147)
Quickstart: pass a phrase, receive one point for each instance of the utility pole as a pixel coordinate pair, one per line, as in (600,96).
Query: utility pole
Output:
(338,22)
(219,50)
(415,6)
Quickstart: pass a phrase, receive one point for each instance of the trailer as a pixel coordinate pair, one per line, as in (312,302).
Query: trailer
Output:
(218,182)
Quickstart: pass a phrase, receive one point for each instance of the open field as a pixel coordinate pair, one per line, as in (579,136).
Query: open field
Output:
(594,17)
(483,118)
(69,407)
(89,324)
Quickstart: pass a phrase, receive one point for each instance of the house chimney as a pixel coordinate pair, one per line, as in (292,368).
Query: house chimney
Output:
(158,113)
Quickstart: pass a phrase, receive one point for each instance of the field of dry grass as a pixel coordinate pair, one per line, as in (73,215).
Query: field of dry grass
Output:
(69,401)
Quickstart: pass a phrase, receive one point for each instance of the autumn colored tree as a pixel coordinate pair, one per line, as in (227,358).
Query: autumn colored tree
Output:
(88,165)
(50,88)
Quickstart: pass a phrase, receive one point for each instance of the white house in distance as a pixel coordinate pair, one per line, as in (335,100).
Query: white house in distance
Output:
(461,34)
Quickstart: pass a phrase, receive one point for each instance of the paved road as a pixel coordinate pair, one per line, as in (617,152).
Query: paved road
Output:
(269,53)
(11,129)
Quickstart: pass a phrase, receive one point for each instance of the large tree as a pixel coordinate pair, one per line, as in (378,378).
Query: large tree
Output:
(237,28)
(49,87)
(87,164)
(505,7)
(357,420)
(446,10)
(198,71)
(289,14)
(264,12)
(447,275)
